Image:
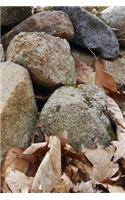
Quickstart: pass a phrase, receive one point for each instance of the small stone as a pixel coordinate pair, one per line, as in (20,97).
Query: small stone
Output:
(46,57)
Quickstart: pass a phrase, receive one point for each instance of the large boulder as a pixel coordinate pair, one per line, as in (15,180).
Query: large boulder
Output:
(56,23)
(92,33)
(114,16)
(12,15)
(78,111)
(17,107)
(47,58)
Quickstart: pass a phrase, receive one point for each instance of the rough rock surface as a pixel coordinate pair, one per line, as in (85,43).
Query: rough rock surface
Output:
(13,15)
(84,65)
(1,53)
(17,107)
(92,33)
(80,112)
(114,16)
(117,69)
(56,23)
(47,58)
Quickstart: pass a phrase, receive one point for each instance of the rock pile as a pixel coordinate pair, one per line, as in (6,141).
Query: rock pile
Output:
(50,52)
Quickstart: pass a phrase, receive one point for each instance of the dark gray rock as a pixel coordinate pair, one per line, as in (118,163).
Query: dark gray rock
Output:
(91,32)
(78,111)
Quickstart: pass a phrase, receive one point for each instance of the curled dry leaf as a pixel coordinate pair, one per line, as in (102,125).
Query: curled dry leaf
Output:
(104,79)
(49,171)
(18,181)
(34,147)
(11,155)
(116,115)
(103,166)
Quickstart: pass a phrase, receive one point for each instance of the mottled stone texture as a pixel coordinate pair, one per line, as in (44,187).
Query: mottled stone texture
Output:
(17,107)
(114,16)
(55,23)
(47,58)
(79,111)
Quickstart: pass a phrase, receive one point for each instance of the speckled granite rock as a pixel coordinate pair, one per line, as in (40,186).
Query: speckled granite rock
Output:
(46,57)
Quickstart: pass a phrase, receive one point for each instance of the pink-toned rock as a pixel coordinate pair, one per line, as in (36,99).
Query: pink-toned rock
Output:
(55,23)
(46,57)
(84,65)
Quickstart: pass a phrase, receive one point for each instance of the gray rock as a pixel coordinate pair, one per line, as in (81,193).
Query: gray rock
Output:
(56,23)
(13,15)
(79,111)
(92,33)
(47,58)
(114,16)
(17,107)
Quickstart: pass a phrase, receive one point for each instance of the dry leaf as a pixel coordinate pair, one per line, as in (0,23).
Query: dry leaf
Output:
(103,167)
(120,150)
(11,155)
(85,187)
(34,147)
(49,171)
(120,100)
(104,79)
(5,188)
(18,181)
(64,186)
(116,115)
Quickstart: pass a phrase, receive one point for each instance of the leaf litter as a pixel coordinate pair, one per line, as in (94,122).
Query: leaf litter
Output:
(62,169)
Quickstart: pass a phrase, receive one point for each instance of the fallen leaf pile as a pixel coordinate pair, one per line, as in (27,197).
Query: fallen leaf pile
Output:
(53,166)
